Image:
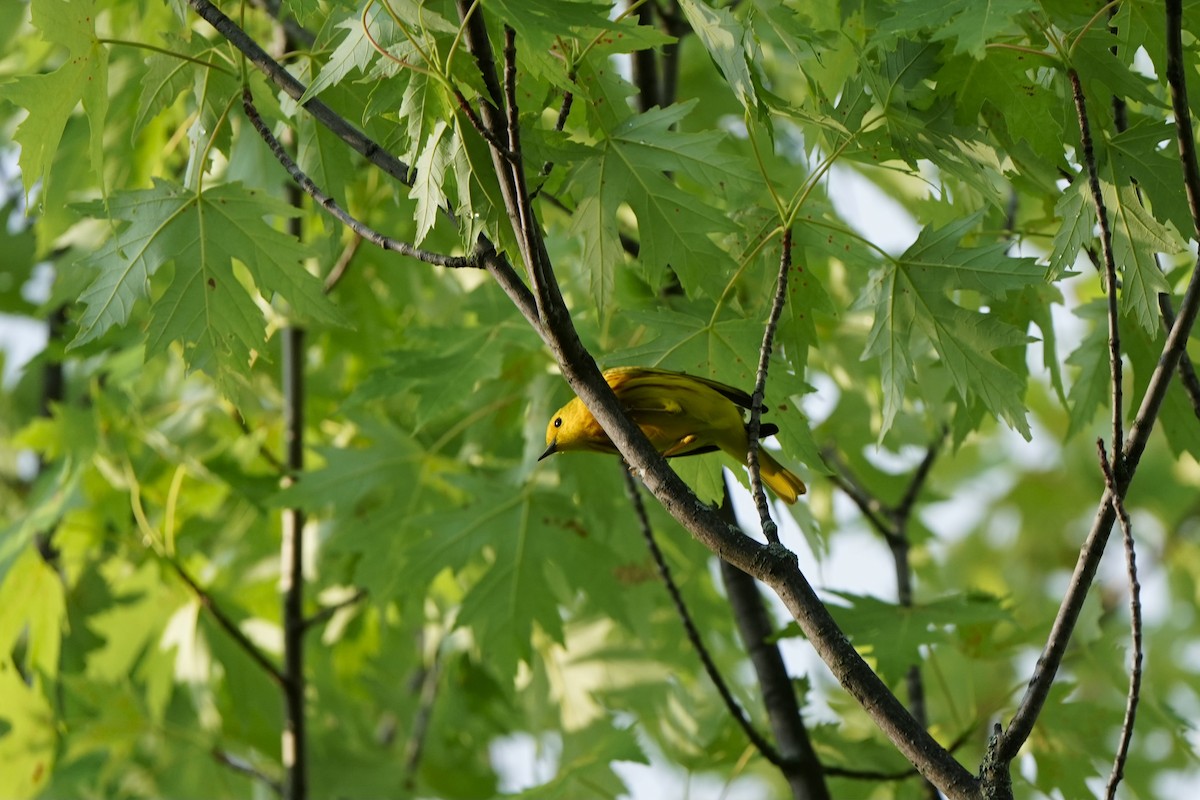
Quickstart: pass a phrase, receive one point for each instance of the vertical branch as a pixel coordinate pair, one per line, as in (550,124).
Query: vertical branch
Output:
(1110,269)
(675,25)
(899,544)
(1135,628)
(801,767)
(644,64)
(292,569)
(760,389)
(294,742)
(892,524)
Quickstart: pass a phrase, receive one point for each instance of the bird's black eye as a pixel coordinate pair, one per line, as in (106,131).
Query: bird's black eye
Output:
(558,422)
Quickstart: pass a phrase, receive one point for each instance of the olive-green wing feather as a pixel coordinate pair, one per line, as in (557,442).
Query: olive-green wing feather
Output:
(621,375)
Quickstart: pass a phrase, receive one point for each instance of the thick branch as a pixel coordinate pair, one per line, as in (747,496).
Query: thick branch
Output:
(773,565)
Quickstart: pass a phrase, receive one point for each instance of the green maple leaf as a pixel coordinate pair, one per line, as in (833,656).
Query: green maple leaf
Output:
(912,294)
(1136,237)
(206,307)
(1145,152)
(726,40)
(969,22)
(1078,215)
(1001,88)
(427,189)
(512,538)
(675,226)
(51,98)
(1091,385)
(725,350)
(893,635)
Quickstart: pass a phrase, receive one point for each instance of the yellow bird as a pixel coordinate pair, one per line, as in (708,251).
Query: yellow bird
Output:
(681,415)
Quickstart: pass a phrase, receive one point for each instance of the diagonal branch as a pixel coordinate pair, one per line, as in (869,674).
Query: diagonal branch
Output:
(226,624)
(773,565)
(362,144)
(689,626)
(330,205)
(1019,729)
(354,138)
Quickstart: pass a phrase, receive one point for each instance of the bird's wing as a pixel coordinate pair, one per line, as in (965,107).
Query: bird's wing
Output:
(618,376)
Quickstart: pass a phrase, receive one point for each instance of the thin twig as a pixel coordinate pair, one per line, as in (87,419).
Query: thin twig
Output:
(1135,628)
(903,510)
(328,611)
(354,138)
(414,748)
(226,624)
(893,775)
(489,136)
(338,271)
(689,626)
(564,111)
(331,206)
(497,265)
(1110,268)
(263,451)
(239,764)
(842,477)
(295,755)
(760,389)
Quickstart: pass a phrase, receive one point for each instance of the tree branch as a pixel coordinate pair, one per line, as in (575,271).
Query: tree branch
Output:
(800,766)
(774,565)
(689,626)
(760,390)
(354,138)
(643,65)
(1110,268)
(496,264)
(1135,626)
(331,206)
(295,730)
(226,624)
(1021,725)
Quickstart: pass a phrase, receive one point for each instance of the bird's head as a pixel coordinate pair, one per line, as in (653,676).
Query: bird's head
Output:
(567,429)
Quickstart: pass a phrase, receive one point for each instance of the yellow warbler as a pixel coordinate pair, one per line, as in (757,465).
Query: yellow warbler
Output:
(681,415)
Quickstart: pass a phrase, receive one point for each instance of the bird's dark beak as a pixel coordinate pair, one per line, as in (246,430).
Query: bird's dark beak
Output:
(551,450)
